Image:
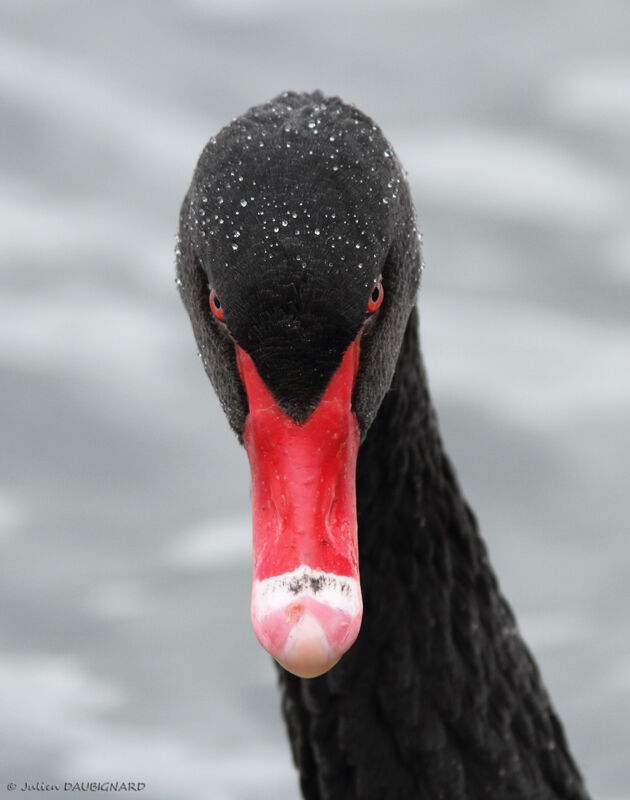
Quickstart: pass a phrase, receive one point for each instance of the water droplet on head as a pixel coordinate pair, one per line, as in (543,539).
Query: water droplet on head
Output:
(243,202)
(316,231)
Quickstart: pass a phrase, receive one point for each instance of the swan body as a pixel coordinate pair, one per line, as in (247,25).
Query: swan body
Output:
(299,262)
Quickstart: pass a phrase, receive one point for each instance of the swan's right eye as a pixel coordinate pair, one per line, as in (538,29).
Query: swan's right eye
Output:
(215,306)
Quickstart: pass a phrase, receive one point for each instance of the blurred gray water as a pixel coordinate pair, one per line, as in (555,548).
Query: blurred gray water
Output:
(126,651)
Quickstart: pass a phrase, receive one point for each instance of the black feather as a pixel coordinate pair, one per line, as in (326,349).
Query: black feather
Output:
(439,696)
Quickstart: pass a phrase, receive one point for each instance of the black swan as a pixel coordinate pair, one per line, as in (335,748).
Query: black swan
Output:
(298,262)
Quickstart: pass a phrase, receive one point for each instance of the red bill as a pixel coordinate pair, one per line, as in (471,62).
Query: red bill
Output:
(306,597)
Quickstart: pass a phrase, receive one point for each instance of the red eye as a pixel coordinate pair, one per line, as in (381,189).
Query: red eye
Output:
(376,297)
(215,306)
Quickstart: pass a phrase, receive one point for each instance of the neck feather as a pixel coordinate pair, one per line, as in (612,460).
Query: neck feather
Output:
(439,697)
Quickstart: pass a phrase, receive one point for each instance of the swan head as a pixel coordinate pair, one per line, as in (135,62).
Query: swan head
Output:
(298,262)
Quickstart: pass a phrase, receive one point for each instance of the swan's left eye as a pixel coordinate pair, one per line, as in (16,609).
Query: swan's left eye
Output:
(376,297)
(215,306)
